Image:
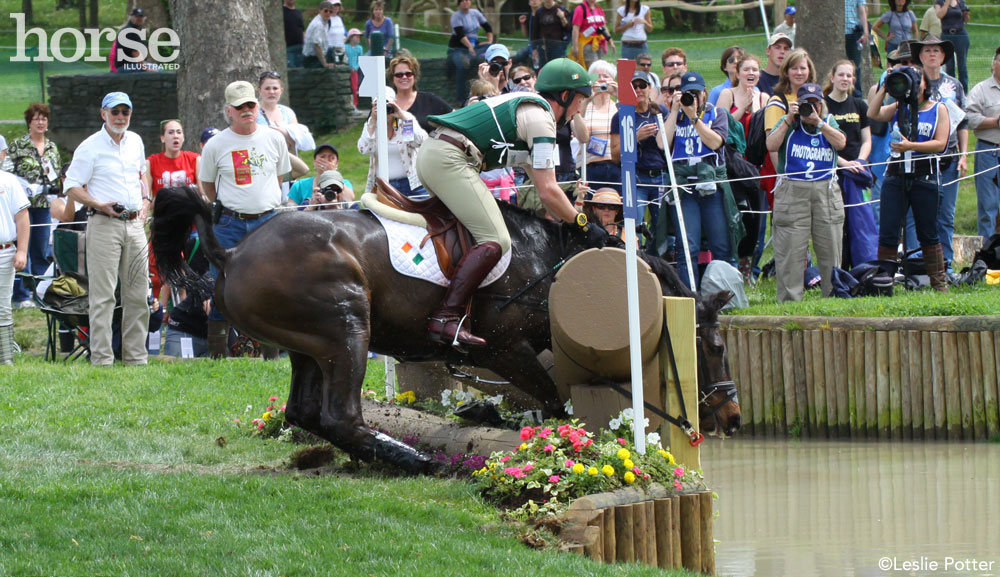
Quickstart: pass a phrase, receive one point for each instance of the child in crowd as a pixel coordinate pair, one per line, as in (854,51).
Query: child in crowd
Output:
(354,51)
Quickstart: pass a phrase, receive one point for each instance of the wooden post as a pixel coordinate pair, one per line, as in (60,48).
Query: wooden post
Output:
(788,373)
(937,364)
(895,398)
(952,386)
(807,354)
(989,384)
(858,338)
(707,536)
(639,534)
(595,548)
(871,386)
(675,531)
(624,548)
(649,533)
(819,380)
(680,315)
(663,517)
(799,367)
(778,383)
(691,532)
(843,397)
(907,387)
(882,383)
(965,383)
(767,382)
(975,380)
(852,399)
(610,536)
(830,368)
(761,406)
(916,382)
(746,393)
(926,362)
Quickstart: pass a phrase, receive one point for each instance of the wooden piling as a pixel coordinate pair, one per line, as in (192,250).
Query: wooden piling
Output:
(675,531)
(859,382)
(952,386)
(830,380)
(871,386)
(882,383)
(649,532)
(609,537)
(664,532)
(927,362)
(989,384)
(788,380)
(809,356)
(852,399)
(895,393)
(906,386)
(746,389)
(756,384)
(767,382)
(965,383)
(801,397)
(691,532)
(778,383)
(639,533)
(707,535)
(843,395)
(975,384)
(624,539)
(937,365)
(917,384)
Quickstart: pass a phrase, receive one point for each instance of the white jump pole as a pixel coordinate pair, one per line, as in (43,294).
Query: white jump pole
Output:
(763,17)
(677,200)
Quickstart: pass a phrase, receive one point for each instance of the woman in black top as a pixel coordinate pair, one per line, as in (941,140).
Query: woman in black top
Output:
(954,14)
(403,73)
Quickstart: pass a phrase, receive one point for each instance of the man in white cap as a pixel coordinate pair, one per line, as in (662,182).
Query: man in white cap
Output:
(496,69)
(110,164)
(241,170)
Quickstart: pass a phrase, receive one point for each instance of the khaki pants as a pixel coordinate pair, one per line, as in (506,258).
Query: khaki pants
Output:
(448,173)
(116,250)
(803,209)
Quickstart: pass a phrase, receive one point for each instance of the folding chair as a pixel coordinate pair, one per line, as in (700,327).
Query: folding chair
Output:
(54,317)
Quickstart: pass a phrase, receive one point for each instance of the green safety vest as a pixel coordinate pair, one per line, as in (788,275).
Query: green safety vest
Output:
(491,125)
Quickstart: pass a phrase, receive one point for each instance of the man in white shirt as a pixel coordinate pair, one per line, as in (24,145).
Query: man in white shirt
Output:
(316,38)
(241,170)
(110,164)
(787,26)
(14,230)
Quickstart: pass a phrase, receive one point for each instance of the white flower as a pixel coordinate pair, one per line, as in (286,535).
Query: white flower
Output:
(495,400)
(627,414)
(645,423)
(569,407)
(446,397)
(653,440)
(614,424)
(248,409)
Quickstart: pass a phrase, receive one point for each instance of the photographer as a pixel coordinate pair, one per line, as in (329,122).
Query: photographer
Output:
(330,189)
(696,131)
(405,137)
(496,69)
(590,37)
(806,197)
(912,177)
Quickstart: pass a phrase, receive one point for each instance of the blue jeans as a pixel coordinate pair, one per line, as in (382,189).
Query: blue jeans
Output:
(945,213)
(851,39)
(461,60)
(599,174)
(229,232)
(649,196)
(961,43)
(987,191)
(294,56)
(549,49)
(704,216)
(172,343)
(403,186)
(39,250)
(922,197)
(631,52)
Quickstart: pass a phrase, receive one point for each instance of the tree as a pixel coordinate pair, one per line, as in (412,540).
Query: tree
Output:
(275,22)
(221,42)
(819,28)
(29,12)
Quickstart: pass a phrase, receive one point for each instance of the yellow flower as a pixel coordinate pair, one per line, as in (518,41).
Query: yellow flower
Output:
(523,447)
(629,477)
(623,454)
(592,471)
(628,463)
(608,470)
(266,416)
(407,397)
(578,468)
(667,456)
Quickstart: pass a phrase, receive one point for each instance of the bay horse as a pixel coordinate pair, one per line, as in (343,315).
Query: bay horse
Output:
(320,285)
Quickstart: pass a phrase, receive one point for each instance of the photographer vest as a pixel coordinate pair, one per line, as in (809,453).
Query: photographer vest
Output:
(927,121)
(809,156)
(491,125)
(688,146)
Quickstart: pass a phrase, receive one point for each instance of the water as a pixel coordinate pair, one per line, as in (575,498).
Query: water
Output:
(822,509)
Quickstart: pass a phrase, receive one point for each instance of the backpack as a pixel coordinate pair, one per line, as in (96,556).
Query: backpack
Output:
(756,152)
(990,254)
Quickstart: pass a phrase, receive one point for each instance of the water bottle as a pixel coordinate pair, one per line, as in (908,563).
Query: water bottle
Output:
(894,137)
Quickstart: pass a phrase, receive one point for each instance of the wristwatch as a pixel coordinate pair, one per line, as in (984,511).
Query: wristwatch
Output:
(581,220)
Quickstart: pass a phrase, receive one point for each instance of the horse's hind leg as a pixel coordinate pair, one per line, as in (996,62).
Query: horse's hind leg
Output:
(519,365)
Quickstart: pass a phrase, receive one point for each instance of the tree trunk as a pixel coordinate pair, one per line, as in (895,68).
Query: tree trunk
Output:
(751,19)
(82,5)
(275,22)
(29,13)
(156,14)
(221,42)
(820,30)
(94,5)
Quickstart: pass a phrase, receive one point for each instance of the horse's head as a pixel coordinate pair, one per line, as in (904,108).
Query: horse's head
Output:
(719,408)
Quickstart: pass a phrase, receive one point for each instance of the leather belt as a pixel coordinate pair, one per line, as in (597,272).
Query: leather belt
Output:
(7,245)
(633,43)
(953,31)
(453,141)
(243,216)
(127,215)
(650,173)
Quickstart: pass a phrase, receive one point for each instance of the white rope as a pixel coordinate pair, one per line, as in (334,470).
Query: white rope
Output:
(973,175)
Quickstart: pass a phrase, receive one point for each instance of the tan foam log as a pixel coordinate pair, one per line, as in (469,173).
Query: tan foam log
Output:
(639,534)
(664,532)
(610,537)
(595,549)
(589,319)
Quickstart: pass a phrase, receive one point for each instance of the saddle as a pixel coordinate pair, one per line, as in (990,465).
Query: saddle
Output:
(450,237)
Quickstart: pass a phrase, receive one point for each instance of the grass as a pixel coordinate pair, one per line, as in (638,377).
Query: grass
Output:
(141,471)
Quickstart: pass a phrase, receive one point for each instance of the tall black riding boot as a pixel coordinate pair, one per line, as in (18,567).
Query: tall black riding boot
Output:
(445,324)
(934,261)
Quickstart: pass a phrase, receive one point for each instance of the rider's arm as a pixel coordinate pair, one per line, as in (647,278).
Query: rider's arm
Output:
(552,196)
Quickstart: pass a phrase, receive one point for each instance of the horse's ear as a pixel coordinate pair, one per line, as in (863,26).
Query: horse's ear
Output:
(720,299)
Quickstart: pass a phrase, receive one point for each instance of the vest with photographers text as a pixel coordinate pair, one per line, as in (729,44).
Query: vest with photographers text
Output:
(927,121)
(687,144)
(808,156)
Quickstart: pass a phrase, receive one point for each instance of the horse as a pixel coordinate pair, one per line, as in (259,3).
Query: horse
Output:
(320,285)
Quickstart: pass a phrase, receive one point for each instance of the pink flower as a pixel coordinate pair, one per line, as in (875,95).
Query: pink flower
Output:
(564,430)
(645,475)
(578,448)
(272,399)
(260,425)
(527,433)
(271,408)
(581,431)
(544,433)
(679,471)
(574,438)
(283,406)
(505,459)
(569,463)
(636,470)
(528,467)
(549,448)
(515,472)
(621,441)
(554,479)
(237,420)
(678,486)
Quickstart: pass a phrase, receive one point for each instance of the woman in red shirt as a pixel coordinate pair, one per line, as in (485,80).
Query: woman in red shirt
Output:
(173,166)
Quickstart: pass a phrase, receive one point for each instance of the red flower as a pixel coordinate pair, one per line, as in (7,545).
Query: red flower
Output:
(527,433)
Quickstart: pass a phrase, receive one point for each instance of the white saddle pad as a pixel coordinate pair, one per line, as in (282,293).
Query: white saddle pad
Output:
(409,258)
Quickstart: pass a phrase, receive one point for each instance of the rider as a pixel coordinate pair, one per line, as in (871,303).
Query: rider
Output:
(512,129)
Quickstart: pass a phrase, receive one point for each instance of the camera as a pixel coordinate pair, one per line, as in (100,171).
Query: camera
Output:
(118,207)
(903,84)
(604,32)
(330,193)
(602,87)
(390,109)
(687,99)
(496,68)
(806,109)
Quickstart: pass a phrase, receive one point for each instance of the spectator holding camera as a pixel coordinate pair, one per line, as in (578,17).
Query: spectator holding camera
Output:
(598,114)
(330,192)
(590,36)
(36,161)
(496,68)
(549,33)
(913,173)
(807,198)
(696,132)
(465,24)
(325,157)
(405,137)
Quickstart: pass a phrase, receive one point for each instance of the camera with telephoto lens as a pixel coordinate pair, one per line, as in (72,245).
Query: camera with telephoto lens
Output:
(688,99)
(903,84)
(330,193)
(806,109)
(604,32)
(496,67)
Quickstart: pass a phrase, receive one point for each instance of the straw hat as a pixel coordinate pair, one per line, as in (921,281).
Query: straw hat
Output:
(605,196)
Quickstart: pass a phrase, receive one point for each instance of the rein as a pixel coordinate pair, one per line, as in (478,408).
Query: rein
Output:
(543,276)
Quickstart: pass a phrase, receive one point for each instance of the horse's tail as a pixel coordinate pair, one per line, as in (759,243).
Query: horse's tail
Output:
(175,211)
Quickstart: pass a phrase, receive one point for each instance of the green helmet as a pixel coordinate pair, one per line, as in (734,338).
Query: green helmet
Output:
(563,74)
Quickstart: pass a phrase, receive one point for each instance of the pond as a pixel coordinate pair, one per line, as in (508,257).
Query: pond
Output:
(815,508)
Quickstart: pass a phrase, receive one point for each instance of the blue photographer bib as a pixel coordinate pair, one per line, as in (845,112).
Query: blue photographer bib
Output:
(927,121)
(809,156)
(688,146)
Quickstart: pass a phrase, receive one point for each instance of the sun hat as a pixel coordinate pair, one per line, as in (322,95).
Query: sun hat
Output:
(605,196)
(916,46)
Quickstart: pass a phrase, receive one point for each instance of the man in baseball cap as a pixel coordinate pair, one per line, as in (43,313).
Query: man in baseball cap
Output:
(496,69)
(778,47)
(787,27)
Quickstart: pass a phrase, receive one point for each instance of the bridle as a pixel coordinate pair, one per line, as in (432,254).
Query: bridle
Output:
(728,388)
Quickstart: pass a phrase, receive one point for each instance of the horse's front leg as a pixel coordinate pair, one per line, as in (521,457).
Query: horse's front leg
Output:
(519,365)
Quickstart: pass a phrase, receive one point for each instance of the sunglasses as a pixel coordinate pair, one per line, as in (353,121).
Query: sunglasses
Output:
(406,74)
(643,64)
(640,85)
(246,106)
(164,122)
(672,64)
(521,79)
(270,74)
(669,89)
(731,60)
(120,111)
(606,206)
